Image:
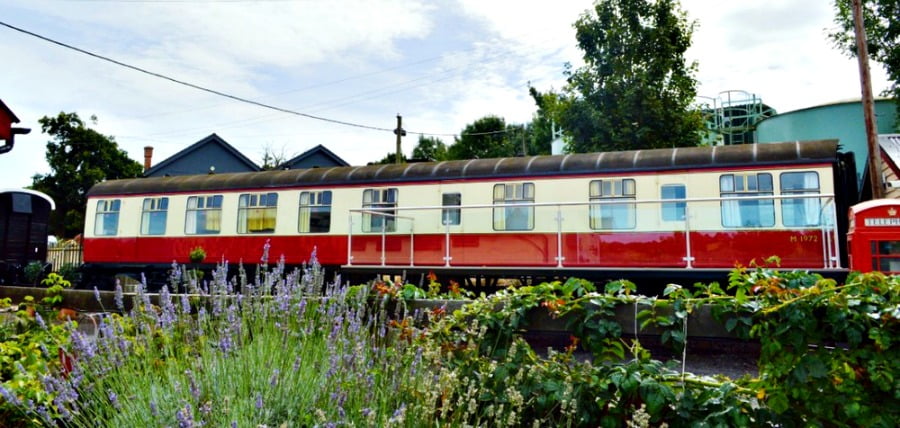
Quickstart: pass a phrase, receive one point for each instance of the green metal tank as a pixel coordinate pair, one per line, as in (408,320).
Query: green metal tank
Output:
(842,120)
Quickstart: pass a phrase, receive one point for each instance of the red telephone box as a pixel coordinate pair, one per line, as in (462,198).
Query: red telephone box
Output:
(874,236)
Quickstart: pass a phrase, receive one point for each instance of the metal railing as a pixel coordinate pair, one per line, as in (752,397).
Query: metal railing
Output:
(827,224)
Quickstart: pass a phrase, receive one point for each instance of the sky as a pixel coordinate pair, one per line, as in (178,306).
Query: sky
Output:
(441,64)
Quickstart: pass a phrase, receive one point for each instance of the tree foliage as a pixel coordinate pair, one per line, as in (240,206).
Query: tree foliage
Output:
(484,138)
(430,149)
(636,89)
(882,22)
(79,157)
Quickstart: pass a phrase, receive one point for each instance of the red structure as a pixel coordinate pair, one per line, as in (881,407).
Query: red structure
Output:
(874,236)
(7,132)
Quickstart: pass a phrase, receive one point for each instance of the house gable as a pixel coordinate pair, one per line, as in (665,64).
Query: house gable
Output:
(211,154)
(316,157)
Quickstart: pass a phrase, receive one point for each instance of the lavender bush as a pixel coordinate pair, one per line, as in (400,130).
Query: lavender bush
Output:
(285,349)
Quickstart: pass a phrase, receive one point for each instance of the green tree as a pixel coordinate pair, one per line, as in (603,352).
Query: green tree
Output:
(636,88)
(79,157)
(485,138)
(430,148)
(389,158)
(881,19)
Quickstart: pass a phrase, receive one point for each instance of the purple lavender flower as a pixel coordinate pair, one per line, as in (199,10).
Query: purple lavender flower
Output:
(185,304)
(206,408)
(259,401)
(85,349)
(226,344)
(97,296)
(61,408)
(120,303)
(185,417)
(195,390)
(40,320)
(44,414)
(154,410)
(274,379)
(400,411)
(297,363)
(113,399)
(366,412)
(9,397)
(106,330)
(234,424)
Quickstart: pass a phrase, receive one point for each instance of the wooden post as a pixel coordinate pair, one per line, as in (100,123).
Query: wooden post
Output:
(868,104)
(399,132)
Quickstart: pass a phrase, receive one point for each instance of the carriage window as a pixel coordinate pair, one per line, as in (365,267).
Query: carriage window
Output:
(106,222)
(383,219)
(800,212)
(612,216)
(256,212)
(514,218)
(672,211)
(451,216)
(755,213)
(315,212)
(153,216)
(203,215)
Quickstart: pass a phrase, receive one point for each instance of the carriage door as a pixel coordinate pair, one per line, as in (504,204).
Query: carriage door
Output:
(874,236)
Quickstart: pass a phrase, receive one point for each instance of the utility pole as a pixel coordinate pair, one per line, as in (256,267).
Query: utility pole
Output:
(868,104)
(399,132)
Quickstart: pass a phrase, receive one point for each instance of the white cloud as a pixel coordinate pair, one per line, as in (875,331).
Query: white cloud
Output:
(440,64)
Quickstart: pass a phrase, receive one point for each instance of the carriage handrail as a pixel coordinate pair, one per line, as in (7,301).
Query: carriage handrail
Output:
(825,196)
(829,231)
(376,211)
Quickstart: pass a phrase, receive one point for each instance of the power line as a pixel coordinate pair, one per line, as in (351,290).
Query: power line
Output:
(223,94)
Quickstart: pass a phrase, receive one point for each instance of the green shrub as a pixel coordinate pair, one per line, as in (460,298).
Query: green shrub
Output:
(33,272)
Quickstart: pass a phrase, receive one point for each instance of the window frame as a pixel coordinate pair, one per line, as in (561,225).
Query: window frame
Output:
(155,215)
(313,208)
(679,208)
(624,189)
(786,204)
(745,185)
(451,216)
(111,209)
(205,210)
(385,223)
(522,192)
(254,201)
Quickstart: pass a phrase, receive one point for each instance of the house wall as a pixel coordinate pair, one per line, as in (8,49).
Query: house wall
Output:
(200,160)
(315,160)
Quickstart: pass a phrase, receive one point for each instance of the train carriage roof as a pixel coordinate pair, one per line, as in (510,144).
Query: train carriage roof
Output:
(534,166)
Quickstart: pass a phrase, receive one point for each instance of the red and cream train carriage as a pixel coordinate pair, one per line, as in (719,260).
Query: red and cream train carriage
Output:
(685,212)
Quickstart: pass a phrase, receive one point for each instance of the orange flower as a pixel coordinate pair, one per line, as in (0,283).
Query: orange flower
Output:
(454,287)
(573,345)
(431,276)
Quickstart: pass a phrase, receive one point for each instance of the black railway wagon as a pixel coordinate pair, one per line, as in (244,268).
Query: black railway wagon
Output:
(24,215)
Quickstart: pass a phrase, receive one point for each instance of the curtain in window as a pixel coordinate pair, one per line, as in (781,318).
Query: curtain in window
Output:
(303,215)
(811,206)
(190,220)
(499,213)
(213,220)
